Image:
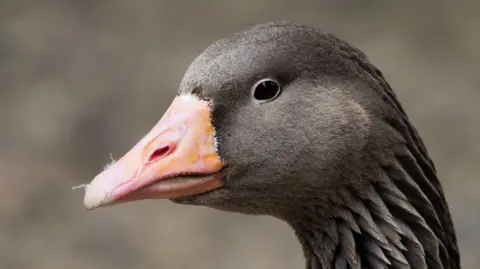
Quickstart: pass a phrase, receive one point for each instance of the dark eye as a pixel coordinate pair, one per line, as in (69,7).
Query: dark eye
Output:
(266,90)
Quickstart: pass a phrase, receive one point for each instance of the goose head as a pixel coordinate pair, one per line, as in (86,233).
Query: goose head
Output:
(286,120)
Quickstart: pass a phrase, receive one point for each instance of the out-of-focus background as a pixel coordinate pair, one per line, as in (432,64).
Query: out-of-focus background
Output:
(80,79)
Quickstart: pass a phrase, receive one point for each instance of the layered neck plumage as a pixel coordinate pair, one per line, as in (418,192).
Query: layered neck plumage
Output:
(400,218)
(390,223)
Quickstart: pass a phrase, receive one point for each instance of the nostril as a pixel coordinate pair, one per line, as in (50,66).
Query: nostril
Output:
(161,153)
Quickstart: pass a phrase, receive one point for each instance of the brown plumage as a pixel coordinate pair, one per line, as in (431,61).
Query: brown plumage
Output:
(306,129)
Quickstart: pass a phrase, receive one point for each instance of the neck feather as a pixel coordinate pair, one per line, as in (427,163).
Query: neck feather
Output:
(399,219)
(391,223)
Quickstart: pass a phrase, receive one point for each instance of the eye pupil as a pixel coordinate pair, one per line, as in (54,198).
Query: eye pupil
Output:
(266,90)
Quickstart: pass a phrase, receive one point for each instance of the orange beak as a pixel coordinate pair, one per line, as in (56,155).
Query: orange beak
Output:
(176,158)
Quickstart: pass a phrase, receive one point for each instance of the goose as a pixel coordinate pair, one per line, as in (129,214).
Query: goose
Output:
(286,120)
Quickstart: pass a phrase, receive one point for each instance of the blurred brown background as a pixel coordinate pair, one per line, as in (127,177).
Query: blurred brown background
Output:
(80,79)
